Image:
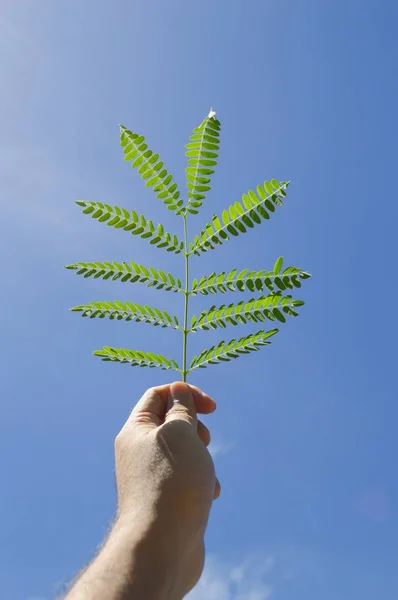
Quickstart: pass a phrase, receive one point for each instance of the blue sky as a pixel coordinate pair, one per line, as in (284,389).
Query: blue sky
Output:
(305,432)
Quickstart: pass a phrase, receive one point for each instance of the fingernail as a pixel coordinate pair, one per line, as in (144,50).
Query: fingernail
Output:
(179,392)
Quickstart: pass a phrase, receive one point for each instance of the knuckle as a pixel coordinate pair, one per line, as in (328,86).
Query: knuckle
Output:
(180,411)
(151,391)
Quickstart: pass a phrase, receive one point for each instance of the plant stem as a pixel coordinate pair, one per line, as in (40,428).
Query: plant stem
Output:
(186,295)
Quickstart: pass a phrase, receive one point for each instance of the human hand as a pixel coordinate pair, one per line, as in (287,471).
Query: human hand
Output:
(165,479)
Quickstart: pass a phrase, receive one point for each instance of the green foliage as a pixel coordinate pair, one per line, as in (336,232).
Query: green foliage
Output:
(240,216)
(202,154)
(254,208)
(225,351)
(121,218)
(127,311)
(132,273)
(254,281)
(151,169)
(272,307)
(137,358)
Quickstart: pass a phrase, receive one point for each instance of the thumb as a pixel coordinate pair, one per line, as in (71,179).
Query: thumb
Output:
(181,405)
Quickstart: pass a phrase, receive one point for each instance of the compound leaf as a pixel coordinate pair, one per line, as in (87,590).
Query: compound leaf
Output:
(236,281)
(128,272)
(137,358)
(272,307)
(127,311)
(121,218)
(202,153)
(226,351)
(151,169)
(240,216)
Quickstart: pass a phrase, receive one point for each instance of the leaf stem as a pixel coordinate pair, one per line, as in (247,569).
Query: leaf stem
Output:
(186,295)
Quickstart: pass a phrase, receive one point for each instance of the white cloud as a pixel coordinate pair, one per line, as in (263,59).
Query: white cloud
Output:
(244,581)
(219,448)
(269,563)
(262,592)
(237,573)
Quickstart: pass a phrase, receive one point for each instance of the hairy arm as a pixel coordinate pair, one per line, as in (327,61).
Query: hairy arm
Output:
(129,566)
(166,485)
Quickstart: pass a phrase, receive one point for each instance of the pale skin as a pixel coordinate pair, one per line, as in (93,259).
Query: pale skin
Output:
(166,484)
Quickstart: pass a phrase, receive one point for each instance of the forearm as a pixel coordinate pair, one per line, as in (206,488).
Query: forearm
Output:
(166,484)
(131,566)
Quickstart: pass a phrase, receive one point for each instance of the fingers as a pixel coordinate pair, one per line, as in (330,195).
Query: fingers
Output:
(203,433)
(203,402)
(152,407)
(181,404)
(178,401)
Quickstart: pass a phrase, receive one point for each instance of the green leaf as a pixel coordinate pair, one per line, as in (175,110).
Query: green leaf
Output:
(278,265)
(132,273)
(137,358)
(151,169)
(254,206)
(226,351)
(239,216)
(128,312)
(248,280)
(136,224)
(254,310)
(202,153)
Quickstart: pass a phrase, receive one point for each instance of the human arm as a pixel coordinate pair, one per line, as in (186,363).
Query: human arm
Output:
(166,485)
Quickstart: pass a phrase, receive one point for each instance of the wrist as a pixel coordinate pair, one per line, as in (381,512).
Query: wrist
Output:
(154,557)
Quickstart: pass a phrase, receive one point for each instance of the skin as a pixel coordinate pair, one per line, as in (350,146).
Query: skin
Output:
(165,485)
